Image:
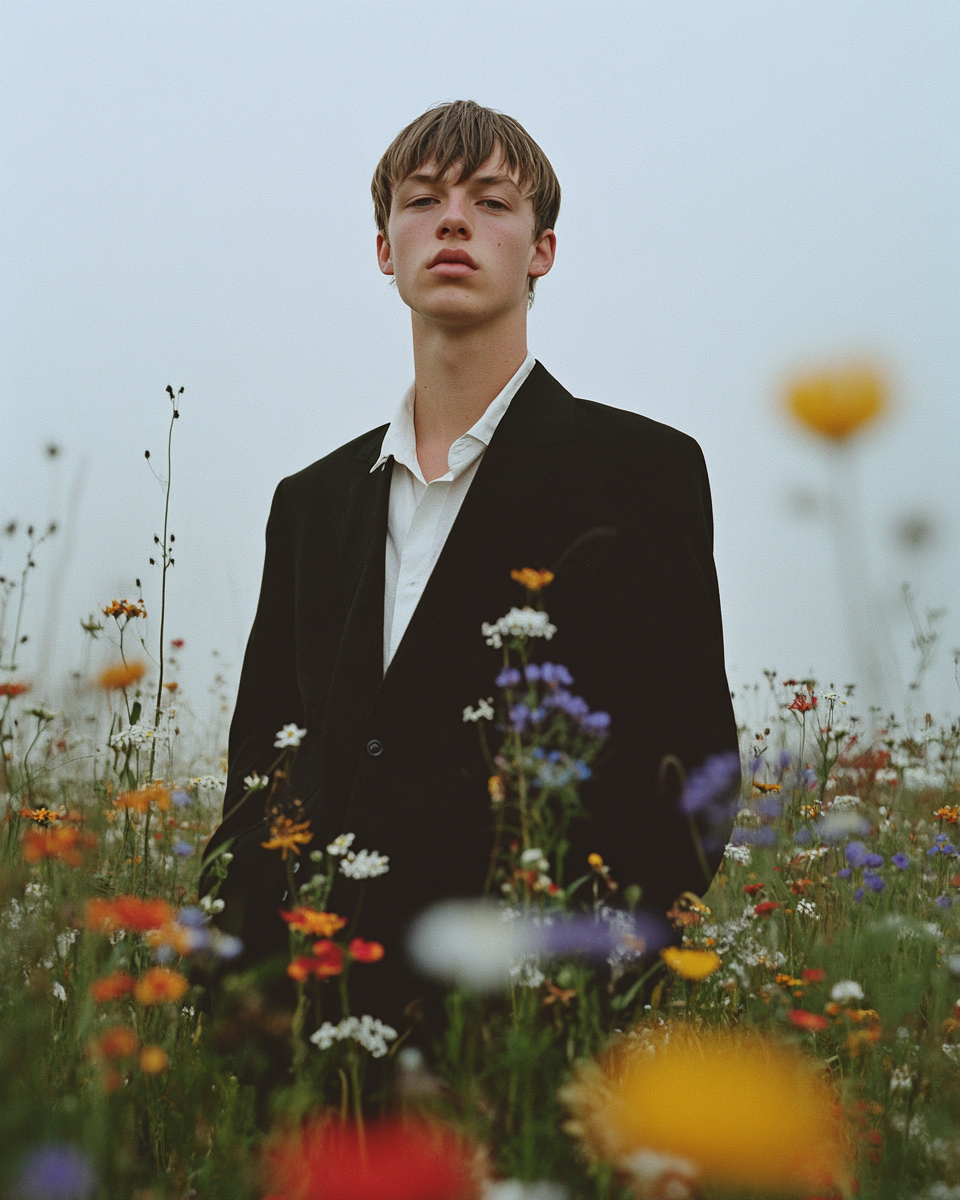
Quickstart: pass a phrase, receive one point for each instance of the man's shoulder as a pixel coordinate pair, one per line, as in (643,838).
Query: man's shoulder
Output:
(619,424)
(337,467)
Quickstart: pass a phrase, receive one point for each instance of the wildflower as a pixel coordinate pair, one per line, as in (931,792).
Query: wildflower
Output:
(943,902)
(846,991)
(518,623)
(55,1172)
(745,1113)
(255,782)
(837,402)
(807,1021)
(121,676)
(691,964)
(140,800)
(813,974)
(595,861)
(483,711)
(182,849)
(366,865)
(316,924)
(327,960)
(124,608)
(42,816)
(112,987)
(765,908)
(900,860)
(286,835)
(737,854)
(136,737)
(365,952)
(873,882)
(64,842)
(496,790)
(371,1033)
(753,888)
(154,1060)
(532,580)
(180,798)
(326,1160)
(289,736)
(160,985)
(508,677)
(340,845)
(10,689)
(949,813)
(127,912)
(117,1042)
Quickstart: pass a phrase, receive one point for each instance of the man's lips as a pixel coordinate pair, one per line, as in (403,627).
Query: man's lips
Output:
(453,264)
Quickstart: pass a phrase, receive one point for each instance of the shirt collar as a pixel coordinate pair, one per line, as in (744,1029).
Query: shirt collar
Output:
(400,440)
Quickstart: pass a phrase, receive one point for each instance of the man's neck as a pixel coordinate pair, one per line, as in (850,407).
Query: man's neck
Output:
(458,374)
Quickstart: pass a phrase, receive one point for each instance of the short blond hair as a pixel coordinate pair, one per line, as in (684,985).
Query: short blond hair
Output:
(465,133)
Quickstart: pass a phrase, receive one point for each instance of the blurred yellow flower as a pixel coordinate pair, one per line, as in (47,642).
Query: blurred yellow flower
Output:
(836,403)
(691,964)
(531,579)
(121,676)
(153,1060)
(734,1110)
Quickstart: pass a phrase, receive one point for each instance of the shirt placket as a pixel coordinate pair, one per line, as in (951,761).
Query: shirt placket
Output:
(416,558)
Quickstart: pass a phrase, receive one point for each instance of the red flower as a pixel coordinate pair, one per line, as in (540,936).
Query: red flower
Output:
(802,703)
(365,952)
(813,974)
(765,908)
(409,1161)
(13,689)
(329,956)
(752,888)
(177,643)
(807,1021)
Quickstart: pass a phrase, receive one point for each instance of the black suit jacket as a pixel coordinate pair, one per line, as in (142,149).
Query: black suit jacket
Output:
(619,506)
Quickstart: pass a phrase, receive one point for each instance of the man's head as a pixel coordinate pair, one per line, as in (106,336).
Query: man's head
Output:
(450,143)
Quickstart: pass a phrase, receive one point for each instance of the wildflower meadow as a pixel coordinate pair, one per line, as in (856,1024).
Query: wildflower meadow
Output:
(792,1030)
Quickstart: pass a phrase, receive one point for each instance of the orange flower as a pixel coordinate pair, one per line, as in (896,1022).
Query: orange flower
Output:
(121,676)
(532,580)
(178,937)
(309,921)
(127,912)
(13,689)
(112,987)
(61,841)
(117,1042)
(140,800)
(172,686)
(767,787)
(950,814)
(329,956)
(153,1060)
(288,835)
(160,985)
(836,403)
(807,1021)
(42,816)
(124,608)
(365,952)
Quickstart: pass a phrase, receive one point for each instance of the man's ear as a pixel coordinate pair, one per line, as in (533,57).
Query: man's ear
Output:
(385,255)
(544,252)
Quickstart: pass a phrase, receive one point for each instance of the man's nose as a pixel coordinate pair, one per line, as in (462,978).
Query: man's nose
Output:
(454,218)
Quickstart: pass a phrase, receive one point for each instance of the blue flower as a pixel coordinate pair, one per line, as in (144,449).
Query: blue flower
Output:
(508,677)
(182,849)
(844,872)
(56,1173)
(858,895)
(581,770)
(192,916)
(180,798)
(948,848)
(900,860)
(941,837)
(769,807)
(856,854)
(554,674)
(803,837)
(785,759)
(597,723)
(943,902)
(520,717)
(873,861)
(873,882)
(765,836)
(531,673)
(712,782)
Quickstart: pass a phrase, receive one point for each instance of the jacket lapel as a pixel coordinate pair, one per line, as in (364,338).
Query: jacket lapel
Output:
(513,469)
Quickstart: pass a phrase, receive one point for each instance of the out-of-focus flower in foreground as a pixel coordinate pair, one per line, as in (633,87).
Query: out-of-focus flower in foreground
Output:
(153,1060)
(140,800)
(11,689)
(719,1109)
(395,1161)
(691,964)
(63,842)
(127,912)
(160,985)
(112,987)
(286,835)
(836,403)
(309,921)
(531,579)
(121,676)
(55,1173)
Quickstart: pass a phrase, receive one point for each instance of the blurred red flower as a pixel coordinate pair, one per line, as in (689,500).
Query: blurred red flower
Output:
(807,1021)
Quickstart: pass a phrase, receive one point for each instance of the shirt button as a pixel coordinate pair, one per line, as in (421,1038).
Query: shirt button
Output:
(374,747)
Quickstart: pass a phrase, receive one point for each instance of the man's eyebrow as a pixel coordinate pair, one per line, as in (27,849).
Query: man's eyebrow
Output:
(478,180)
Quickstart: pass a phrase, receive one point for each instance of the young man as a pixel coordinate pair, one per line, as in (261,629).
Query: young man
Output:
(384,558)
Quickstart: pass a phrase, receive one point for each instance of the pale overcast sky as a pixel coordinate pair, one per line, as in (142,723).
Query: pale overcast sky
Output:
(747,188)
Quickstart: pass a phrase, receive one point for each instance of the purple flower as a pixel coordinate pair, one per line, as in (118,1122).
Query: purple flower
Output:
(227,946)
(769,807)
(856,854)
(180,798)
(192,917)
(844,872)
(597,723)
(508,677)
(573,706)
(765,836)
(948,848)
(873,882)
(785,759)
(553,674)
(182,849)
(901,861)
(873,861)
(943,902)
(803,837)
(858,895)
(520,717)
(56,1173)
(531,673)
(596,939)
(715,780)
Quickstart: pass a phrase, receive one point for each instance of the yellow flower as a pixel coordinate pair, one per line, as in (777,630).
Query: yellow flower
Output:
(140,801)
(691,964)
(532,580)
(153,1060)
(288,835)
(835,403)
(160,985)
(121,676)
(739,1111)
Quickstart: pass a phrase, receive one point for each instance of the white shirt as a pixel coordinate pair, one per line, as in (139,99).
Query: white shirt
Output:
(422,514)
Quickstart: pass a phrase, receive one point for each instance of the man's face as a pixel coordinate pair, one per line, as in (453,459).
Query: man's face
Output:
(461,252)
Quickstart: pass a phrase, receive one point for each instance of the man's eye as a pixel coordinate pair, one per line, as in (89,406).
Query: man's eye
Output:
(422,202)
(494,204)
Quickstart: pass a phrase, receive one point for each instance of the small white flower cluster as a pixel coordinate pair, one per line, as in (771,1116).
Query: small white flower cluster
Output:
(60,992)
(738,854)
(844,802)
(289,736)
(806,908)
(534,860)
(846,991)
(368,864)
(526,973)
(208,782)
(136,737)
(519,622)
(209,905)
(901,1079)
(255,782)
(341,844)
(483,711)
(371,1033)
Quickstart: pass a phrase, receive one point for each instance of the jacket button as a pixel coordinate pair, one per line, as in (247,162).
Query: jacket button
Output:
(374,747)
